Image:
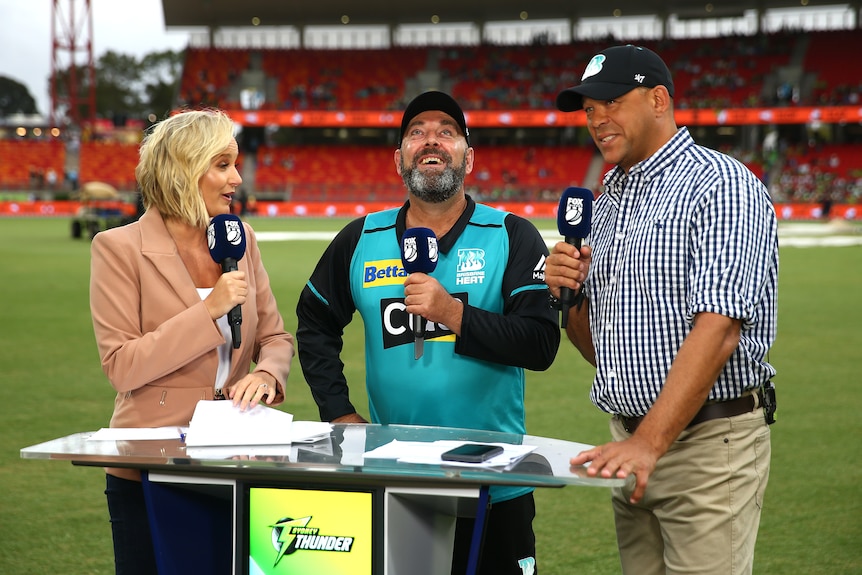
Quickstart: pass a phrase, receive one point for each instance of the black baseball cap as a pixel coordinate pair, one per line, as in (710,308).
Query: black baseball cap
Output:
(614,72)
(434,100)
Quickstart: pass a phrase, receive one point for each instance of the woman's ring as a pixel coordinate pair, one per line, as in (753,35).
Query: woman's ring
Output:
(263,385)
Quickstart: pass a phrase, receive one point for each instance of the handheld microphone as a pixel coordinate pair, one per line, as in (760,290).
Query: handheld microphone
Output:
(418,254)
(226,240)
(574,216)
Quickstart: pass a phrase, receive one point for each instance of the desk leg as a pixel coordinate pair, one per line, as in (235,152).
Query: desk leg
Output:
(478,530)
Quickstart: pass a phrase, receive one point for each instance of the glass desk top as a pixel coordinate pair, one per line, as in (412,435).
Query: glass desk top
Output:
(339,456)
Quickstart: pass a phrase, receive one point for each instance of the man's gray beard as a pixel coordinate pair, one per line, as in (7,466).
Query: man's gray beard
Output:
(434,187)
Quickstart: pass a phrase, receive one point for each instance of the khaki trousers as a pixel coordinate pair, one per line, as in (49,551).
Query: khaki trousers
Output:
(701,510)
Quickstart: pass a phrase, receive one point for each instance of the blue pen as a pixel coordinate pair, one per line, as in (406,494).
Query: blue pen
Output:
(182,435)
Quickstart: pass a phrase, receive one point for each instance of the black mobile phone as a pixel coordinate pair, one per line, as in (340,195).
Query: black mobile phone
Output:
(472,453)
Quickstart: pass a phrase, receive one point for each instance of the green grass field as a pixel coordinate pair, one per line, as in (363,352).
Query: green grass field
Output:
(53,516)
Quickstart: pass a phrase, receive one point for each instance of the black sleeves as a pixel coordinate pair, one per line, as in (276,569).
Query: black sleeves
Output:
(526,334)
(325,307)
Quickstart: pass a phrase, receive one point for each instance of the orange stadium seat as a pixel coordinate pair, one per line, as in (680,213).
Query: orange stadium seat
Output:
(708,72)
(829,58)
(110,162)
(22,162)
(325,173)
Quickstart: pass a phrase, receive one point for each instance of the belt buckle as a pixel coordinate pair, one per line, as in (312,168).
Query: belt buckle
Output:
(218,394)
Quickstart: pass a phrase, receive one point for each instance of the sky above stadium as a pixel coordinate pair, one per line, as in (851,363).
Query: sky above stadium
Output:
(127,27)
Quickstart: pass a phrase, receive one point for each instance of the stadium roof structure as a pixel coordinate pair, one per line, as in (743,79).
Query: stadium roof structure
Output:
(233,13)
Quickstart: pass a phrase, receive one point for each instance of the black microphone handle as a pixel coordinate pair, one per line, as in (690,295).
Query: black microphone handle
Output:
(234,316)
(567,298)
(228,265)
(419,323)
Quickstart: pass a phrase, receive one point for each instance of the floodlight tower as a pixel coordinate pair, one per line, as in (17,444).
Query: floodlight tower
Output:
(71,56)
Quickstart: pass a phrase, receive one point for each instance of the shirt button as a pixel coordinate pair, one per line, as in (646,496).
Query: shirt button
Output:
(619,236)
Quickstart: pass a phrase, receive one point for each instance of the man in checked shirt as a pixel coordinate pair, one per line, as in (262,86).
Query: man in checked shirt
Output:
(678,314)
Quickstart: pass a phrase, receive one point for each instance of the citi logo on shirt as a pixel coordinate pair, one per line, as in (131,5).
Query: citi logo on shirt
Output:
(397,329)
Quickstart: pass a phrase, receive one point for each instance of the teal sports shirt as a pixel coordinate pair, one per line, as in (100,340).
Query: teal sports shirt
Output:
(493,262)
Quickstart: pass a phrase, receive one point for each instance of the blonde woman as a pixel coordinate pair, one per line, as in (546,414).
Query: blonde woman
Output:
(159,302)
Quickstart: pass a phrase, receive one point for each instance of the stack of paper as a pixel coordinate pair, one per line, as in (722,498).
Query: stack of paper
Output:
(222,423)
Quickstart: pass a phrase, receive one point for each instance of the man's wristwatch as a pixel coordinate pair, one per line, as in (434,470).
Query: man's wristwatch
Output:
(557,304)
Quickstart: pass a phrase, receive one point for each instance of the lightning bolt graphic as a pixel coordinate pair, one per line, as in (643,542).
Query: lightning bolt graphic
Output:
(286,537)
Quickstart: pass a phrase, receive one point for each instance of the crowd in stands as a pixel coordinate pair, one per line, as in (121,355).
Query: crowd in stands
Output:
(31,164)
(810,172)
(839,81)
(714,73)
(511,173)
(820,173)
(709,72)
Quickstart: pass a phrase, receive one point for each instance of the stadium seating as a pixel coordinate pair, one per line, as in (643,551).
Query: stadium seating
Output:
(309,173)
(839,81)
(708,73)
(819,172)
(110,162)
(24,164)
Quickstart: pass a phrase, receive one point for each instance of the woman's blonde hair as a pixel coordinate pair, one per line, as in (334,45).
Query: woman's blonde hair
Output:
(174,155)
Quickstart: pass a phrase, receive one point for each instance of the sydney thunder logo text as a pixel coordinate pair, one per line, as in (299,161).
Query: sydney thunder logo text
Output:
(291,535)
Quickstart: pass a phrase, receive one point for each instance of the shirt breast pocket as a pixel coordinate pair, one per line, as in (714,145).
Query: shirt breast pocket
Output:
(666,257)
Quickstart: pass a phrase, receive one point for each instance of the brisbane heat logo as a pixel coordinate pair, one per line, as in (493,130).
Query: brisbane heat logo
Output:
(471,266)
(292,535)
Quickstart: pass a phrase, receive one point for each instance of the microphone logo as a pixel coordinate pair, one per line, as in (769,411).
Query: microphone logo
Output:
(410,250)
(432,249)
(574,210)
(233,231)
(211,240)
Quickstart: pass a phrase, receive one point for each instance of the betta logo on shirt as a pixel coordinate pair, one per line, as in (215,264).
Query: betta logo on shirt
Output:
(383,273)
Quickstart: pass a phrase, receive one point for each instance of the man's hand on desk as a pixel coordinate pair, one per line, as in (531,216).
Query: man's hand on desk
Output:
(620,459)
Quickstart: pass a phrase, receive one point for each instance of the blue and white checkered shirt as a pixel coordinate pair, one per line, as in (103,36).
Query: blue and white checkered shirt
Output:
(688,230)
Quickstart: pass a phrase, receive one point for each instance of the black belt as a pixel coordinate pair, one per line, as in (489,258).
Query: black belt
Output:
(730,408)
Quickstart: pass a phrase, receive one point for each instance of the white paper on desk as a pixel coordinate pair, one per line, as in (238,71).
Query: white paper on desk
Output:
(260,452)
(431,453)
(135,433)
(222,423)
(238,452)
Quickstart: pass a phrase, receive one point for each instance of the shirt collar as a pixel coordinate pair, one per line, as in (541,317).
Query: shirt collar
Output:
(444,243)
(653,165)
